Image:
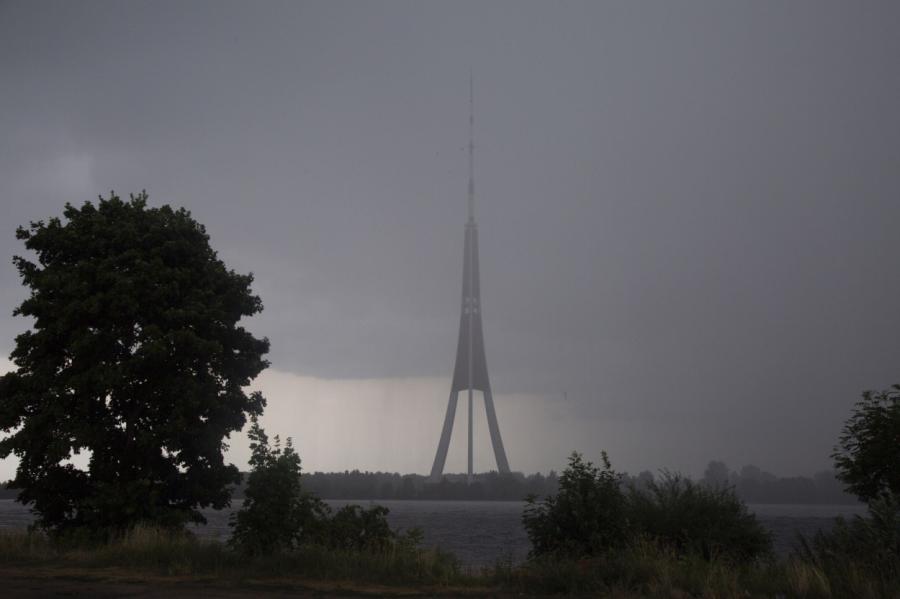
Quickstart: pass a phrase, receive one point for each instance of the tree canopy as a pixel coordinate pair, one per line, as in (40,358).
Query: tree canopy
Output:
(868,455)
(135,357)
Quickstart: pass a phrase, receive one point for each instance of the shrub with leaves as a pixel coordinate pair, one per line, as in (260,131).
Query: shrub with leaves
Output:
(868,457)
(592,515)
(692,518)
(354,527)
(277,514)
(586,517)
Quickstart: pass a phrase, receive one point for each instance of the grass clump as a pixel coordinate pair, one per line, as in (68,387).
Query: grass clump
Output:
(644,568)
(858,557)
(18,546)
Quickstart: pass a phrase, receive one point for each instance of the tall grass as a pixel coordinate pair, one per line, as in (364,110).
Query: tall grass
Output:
(159,551)
(643,568)
(19,546)
(860,557)
(646,569)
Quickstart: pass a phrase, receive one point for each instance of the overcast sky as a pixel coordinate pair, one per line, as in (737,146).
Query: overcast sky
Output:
(688,211)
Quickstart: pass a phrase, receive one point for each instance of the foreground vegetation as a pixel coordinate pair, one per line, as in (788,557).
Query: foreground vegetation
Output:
(670,539)
(598,535)
(641,569)
(154,551)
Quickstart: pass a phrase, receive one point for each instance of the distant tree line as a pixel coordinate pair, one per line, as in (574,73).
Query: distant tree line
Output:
(754,485)
(490,486)
(751,485)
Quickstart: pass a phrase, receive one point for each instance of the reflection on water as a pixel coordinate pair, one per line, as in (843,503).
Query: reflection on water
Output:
(480,532)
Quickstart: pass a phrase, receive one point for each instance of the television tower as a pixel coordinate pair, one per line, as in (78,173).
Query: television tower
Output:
(470,372)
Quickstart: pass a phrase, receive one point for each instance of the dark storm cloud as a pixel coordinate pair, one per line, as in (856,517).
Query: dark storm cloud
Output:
(688,211)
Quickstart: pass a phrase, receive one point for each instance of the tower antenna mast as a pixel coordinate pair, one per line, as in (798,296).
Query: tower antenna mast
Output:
(471,148)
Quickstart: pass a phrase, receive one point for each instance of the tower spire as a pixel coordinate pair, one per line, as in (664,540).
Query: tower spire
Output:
(471,148)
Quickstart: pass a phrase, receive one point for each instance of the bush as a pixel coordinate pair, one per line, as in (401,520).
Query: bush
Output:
(591,515)
(691,518)
(586,517)
(277,515)
(355,528)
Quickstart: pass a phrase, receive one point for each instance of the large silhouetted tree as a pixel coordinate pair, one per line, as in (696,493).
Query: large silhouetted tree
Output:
(135,358)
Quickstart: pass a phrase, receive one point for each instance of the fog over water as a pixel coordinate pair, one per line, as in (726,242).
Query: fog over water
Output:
(688,212)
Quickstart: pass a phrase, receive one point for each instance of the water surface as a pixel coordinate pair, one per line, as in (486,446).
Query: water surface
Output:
(481,532)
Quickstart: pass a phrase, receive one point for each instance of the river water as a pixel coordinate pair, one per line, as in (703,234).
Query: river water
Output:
(481,532)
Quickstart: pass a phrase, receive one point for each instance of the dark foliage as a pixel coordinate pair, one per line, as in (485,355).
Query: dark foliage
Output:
(690,518)
(135,357)
(592,515)
(356,528)
(868,455)
(586,517)
(277,515)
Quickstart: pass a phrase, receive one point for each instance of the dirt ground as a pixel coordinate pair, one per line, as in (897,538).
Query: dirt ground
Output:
(34,582)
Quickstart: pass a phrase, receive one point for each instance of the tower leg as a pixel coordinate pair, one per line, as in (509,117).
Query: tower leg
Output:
(471,461)
(444,444)
(496,441)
